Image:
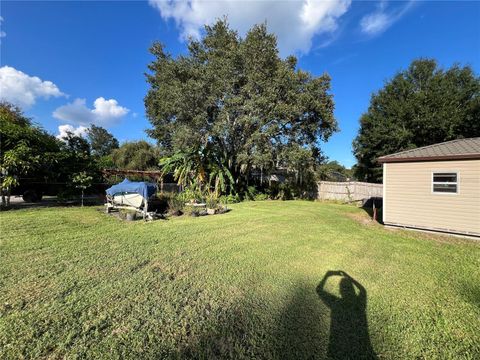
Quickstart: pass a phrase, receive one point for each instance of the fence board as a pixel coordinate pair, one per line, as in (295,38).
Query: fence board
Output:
(348,191)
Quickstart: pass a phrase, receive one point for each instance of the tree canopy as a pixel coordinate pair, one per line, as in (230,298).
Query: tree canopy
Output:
(136,155)
(420,106)
(101,141)
(333,171)
(16,128)
(28,151)
(237,98)
(24,148)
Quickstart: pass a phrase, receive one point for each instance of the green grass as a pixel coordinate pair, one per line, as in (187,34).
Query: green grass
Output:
(76,283)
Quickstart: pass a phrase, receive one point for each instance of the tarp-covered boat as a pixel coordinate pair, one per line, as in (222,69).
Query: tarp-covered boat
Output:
(130,195)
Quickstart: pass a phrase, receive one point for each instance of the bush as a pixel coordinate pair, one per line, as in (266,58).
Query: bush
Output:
(193,195)
(285,192)
(162,203)
(191,211)
(250,193)
(176,204)
(280,191)
(66,194)
(261,197)
(211,201)
(229,199)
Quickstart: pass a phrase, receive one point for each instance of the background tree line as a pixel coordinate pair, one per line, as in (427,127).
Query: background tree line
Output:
(30,154)
(419,106)
(232,116)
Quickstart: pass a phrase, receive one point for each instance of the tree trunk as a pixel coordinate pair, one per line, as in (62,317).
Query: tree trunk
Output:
(9,192)
(82,197)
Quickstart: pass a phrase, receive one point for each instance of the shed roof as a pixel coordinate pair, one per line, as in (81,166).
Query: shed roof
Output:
(459,149)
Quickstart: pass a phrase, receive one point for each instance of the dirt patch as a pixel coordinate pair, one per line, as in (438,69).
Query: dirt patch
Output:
(362,218)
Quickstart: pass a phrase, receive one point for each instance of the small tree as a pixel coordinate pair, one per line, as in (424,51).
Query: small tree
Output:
(82,181)
(25,150)
(15,162)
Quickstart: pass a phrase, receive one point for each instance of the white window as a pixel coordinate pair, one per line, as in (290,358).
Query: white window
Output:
(445,182)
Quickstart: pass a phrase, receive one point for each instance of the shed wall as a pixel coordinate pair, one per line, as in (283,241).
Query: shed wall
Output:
(409,200)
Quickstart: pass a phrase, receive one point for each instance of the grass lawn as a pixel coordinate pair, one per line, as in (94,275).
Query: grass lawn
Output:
(290,280)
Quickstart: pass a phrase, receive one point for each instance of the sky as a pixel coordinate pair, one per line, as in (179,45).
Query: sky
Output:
(69,64)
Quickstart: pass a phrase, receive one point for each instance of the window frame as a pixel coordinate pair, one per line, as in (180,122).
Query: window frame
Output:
(444,171)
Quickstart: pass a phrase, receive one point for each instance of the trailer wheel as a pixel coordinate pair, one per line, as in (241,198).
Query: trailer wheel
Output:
(32,195)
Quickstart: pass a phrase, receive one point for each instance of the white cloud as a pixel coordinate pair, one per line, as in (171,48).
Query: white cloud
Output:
(104,112)
(375,23)
(2,33)
(22,89)
(380,20)
(63,130)
(294,22)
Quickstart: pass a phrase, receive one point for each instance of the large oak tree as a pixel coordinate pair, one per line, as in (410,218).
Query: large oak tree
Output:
(237,98)
(420,106)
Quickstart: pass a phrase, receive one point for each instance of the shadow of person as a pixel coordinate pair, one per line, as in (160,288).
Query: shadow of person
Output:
(349,337)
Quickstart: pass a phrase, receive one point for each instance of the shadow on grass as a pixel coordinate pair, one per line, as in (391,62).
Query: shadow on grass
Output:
(370,213)
(17,203)
(303,330)
(252,330)
(349,337)
(247,329)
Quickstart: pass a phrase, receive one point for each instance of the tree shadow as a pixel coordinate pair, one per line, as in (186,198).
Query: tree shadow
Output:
(349,337)
(17,203)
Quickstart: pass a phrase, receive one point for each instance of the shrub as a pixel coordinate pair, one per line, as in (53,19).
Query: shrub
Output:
(176,204)
(191,211)
(250,193)
(261,197)
(162,204)
(193,195)
(211,201)
(229,199)
(66,194)
(282,191)
(285,192)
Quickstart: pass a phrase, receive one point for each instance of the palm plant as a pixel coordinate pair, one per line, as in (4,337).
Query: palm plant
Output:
(187,168)
(198,169)
(219,177)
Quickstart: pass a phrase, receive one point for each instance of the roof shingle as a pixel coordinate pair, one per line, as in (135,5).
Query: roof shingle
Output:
(449,150)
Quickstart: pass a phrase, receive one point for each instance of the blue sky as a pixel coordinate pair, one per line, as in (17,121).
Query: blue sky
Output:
(72,63)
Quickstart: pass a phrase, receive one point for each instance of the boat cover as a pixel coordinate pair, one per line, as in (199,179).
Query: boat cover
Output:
(145,189)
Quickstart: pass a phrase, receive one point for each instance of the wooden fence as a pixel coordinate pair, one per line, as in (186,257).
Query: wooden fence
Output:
(349,191)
